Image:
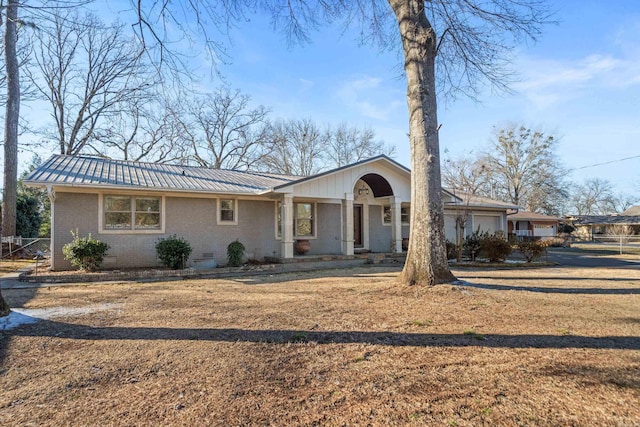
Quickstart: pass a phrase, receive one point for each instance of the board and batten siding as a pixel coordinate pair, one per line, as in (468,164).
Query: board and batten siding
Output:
(335,185)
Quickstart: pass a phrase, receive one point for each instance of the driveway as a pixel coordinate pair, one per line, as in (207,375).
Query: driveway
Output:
(575,258)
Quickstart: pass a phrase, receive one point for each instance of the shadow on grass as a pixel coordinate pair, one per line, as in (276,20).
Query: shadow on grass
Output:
(551,290)
(47,328)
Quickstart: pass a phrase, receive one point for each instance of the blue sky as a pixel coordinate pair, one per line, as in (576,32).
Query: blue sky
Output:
(580,82)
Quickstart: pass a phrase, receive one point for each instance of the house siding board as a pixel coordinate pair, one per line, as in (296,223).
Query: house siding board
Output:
(328,229)
(450,227)
(335,186)
(379,235)
(73,212)
(191,218)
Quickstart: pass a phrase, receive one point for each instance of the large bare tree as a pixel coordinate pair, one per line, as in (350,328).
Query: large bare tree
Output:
(88,71)
(145,129)
(223,131)
(449,45)
(348,144)
(596,196)
(524,169)
(11,118)
(297,148)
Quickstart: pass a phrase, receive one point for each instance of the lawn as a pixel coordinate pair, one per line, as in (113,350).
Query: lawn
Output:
(544,347)
(10,265)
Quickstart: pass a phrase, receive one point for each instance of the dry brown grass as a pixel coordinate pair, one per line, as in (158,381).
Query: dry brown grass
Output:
(9,265)
(346,347)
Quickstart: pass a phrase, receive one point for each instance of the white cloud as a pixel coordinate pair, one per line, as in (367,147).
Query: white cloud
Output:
(369,97)
(547,82)
(305,84)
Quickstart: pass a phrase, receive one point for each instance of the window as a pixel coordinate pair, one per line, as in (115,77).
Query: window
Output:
(131,213)
(303,219)
(227,210)
(278,220)
(386,215)
(404,215)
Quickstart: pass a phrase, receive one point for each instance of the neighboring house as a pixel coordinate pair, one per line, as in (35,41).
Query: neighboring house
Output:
(531,224)
(130,205)
(588,226)
(481,213)
(632,211)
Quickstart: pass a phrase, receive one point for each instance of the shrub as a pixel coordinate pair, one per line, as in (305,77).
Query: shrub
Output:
(531,249)
(235,253)
(472,243)
(495,247)
(452,250)
(85,253)
(173,252)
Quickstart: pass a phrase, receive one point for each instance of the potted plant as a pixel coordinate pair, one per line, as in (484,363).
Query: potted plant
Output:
(302,246)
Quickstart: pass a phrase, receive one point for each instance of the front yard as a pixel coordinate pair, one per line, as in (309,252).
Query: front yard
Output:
(558,346)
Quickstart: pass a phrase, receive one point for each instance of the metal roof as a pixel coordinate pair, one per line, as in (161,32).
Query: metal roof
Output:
(91,171)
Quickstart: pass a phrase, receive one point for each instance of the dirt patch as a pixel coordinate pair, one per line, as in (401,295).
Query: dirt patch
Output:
(345,347)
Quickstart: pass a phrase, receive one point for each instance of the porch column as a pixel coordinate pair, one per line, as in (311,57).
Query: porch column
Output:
(347,224)
(286,216)
(52,198)
(396,224)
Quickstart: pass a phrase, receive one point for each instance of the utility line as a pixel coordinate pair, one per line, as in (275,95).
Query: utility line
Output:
(605,163)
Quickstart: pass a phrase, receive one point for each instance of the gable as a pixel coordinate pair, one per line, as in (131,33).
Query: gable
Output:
(382,176)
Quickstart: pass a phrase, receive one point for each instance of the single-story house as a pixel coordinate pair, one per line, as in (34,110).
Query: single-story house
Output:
(532,224)
(632,211)
(589,226)
(129,205)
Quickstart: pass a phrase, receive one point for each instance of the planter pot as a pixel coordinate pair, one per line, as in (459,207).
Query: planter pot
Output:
(301,247)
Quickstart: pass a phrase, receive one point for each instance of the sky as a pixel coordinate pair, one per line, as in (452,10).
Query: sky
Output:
(580,82)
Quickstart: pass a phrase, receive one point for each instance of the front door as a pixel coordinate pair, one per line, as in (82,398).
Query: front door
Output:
(357,226)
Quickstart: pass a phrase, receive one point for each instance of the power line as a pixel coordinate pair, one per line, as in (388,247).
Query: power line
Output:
(605,163)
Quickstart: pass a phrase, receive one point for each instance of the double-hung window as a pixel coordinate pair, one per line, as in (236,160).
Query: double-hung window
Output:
(303,219)
(227,212)
(131,213)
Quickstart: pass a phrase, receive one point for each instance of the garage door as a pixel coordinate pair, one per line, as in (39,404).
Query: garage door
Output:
(489,224)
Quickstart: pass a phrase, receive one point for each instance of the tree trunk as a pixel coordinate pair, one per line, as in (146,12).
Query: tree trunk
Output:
(426,257)
(11,121)
(10,128)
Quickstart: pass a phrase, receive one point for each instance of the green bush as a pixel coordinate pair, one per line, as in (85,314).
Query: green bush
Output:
(173,252)
(473,243)
(235,253)
(452,250)
(531,249)
(495,247)
(85,253)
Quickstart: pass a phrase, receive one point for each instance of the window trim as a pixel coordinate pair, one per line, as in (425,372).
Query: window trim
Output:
(388,224)
(219,219)
(277,219)
(314,222)
(132,230)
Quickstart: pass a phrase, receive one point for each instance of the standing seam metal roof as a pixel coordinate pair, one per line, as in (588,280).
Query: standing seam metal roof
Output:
(89,171)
